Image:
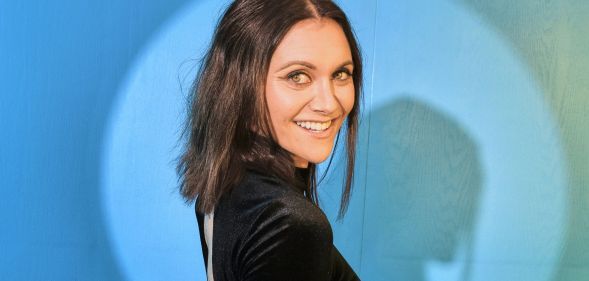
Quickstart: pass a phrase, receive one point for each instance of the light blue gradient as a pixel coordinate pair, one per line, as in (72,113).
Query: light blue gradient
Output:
(465,155)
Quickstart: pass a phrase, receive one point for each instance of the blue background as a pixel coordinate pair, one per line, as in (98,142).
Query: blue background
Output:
(473,154)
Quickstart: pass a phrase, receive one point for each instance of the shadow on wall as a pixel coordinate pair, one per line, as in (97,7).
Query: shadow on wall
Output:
(424,182)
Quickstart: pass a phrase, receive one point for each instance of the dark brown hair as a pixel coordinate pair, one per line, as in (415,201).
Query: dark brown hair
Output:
(228,116)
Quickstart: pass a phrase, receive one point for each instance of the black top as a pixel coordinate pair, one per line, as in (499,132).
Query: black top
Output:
(266,230)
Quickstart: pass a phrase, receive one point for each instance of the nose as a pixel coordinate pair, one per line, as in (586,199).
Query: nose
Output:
(324,99)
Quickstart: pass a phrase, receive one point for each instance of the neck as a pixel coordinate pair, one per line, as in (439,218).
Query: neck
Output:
(300,162)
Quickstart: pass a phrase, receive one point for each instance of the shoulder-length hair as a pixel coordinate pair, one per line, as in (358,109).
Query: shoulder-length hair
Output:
(228,116)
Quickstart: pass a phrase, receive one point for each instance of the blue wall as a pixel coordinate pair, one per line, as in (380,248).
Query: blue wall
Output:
(472,158)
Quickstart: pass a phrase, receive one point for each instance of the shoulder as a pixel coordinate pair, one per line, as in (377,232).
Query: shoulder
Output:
(264,228)
(261,200)
(257,190)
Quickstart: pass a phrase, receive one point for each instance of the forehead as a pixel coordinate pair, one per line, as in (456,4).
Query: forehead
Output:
(319,41)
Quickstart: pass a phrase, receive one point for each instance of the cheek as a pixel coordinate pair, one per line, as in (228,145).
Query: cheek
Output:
(347,99)
(274,103)
(282,105)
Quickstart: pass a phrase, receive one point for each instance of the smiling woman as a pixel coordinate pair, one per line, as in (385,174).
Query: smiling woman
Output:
(309,89)
(278,82)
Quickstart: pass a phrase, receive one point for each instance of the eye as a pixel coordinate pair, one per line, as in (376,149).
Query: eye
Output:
(342,75)
(299,77)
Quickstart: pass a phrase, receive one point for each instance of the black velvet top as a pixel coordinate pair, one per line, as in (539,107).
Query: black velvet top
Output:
(266,230)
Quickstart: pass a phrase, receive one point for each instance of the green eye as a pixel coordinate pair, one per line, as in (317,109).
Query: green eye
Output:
(299,78)
(342,75)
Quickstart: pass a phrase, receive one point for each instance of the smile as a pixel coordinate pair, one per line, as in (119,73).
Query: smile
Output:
(314,126)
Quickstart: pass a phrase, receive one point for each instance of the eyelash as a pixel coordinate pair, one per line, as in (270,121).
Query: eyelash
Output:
(345,71)
(293,74)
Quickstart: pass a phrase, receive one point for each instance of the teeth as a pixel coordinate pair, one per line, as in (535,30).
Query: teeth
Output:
(315,126)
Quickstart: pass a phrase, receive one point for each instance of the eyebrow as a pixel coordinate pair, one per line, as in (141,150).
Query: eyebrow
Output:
(310,65)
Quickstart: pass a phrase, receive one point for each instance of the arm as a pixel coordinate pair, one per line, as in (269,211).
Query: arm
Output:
(342,271)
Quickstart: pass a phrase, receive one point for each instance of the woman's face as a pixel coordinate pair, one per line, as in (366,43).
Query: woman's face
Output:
(309,89)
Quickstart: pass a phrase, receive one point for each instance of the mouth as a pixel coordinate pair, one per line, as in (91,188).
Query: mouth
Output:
(315,126)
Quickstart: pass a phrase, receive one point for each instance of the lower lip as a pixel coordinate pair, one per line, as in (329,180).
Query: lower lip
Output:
(319,134)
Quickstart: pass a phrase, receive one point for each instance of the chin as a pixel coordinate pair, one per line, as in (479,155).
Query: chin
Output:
(316,155)
(318,158)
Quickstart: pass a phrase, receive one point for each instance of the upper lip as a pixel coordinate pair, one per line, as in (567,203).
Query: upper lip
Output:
(317,121)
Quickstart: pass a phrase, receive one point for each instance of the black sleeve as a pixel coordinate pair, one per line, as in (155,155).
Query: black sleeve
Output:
(342,271)
(290,242)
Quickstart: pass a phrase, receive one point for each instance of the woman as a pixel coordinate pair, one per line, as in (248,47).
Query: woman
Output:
(278,82)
